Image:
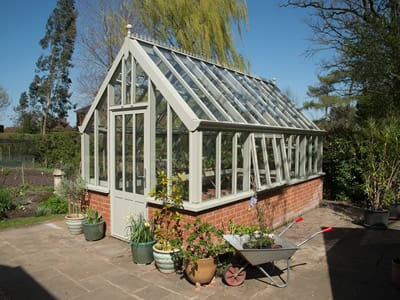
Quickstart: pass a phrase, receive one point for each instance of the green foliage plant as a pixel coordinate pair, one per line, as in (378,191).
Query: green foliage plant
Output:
(204,241)
(167,220)
(92,216)
(139,229)
(6,202)
(55,204)
(73,190)
(380,160)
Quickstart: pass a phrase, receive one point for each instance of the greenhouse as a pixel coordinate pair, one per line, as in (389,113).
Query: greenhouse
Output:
(233,135)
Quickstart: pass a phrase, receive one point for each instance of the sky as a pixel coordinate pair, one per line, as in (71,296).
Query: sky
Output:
(274,45)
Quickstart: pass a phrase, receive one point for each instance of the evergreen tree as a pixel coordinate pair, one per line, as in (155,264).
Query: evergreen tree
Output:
(327,94)
(4,99)
(50,87)
(365,37)
(27,119)
(202,27)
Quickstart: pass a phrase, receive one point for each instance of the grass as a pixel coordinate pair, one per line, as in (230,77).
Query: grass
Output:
(23,221)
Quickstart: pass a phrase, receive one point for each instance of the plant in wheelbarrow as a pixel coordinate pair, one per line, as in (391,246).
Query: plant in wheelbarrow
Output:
(235,273)
(201,248)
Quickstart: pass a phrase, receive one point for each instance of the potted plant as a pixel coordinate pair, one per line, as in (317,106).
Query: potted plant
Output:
(93,225)
(167,227)
(141,239)
(73,190)
(380,163)
(201,248)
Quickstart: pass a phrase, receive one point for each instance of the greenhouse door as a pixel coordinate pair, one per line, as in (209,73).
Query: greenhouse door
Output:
(129,164)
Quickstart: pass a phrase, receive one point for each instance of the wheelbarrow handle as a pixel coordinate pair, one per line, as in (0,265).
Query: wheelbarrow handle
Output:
(314,235)
(290,225)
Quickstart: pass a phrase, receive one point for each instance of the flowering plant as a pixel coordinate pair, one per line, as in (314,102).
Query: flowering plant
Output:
(139,229)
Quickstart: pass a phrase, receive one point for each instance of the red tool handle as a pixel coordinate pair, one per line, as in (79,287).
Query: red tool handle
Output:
(327,229)
(299,220)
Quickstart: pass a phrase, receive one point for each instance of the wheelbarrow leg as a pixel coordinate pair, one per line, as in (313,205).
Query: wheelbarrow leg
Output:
(274,282)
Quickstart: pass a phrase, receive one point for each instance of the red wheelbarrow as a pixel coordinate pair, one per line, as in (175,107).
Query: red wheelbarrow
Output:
(235,274)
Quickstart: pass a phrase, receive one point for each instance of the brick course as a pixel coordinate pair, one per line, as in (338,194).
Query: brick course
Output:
(273,208)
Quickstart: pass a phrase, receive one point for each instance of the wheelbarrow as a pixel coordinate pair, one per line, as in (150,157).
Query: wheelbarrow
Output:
(235,274)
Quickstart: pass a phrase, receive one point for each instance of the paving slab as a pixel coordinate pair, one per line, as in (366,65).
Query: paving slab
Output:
(44,261)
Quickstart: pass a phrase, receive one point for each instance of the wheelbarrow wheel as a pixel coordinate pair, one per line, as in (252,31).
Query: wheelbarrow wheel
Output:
(232,276)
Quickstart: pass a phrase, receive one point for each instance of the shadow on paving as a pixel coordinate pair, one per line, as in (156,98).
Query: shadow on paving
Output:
(359,262)
(16,282)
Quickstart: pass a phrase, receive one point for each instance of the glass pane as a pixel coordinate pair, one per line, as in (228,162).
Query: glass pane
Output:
(196,89)
(183,92)
(272,160)
(128,79)
(128,153)
(180,146)
(139,154)
(180,150)
(226,163)
(118,153)
(90,132)
(228,96)
(209,159)
(102,142)
(142,83)
(240,161)
(260,161)
(161,132)
(116,84)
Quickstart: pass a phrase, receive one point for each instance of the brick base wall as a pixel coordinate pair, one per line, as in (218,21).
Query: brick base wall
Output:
(102,203)
(273,208)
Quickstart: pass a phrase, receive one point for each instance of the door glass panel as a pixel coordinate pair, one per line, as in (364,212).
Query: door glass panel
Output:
(118,153)
(128,153)
(139,154)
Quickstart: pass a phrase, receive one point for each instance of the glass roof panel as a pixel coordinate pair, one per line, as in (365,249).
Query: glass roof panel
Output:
(169,74)
(220,94)
(229,96)
(197,89)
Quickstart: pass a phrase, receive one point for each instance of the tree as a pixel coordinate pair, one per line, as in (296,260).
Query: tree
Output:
(366,37)
(203,27)
(50,87)
(4,99)
(27,119)
(327,94)
(102,31)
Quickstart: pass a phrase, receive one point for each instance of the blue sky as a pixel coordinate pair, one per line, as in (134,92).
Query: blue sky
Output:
(274,45)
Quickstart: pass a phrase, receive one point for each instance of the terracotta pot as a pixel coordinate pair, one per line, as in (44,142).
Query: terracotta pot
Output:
(202,271)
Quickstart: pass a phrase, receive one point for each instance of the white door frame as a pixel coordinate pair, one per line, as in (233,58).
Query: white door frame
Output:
(128,198)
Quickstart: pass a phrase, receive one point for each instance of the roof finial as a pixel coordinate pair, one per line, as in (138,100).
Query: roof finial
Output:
(129,27)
